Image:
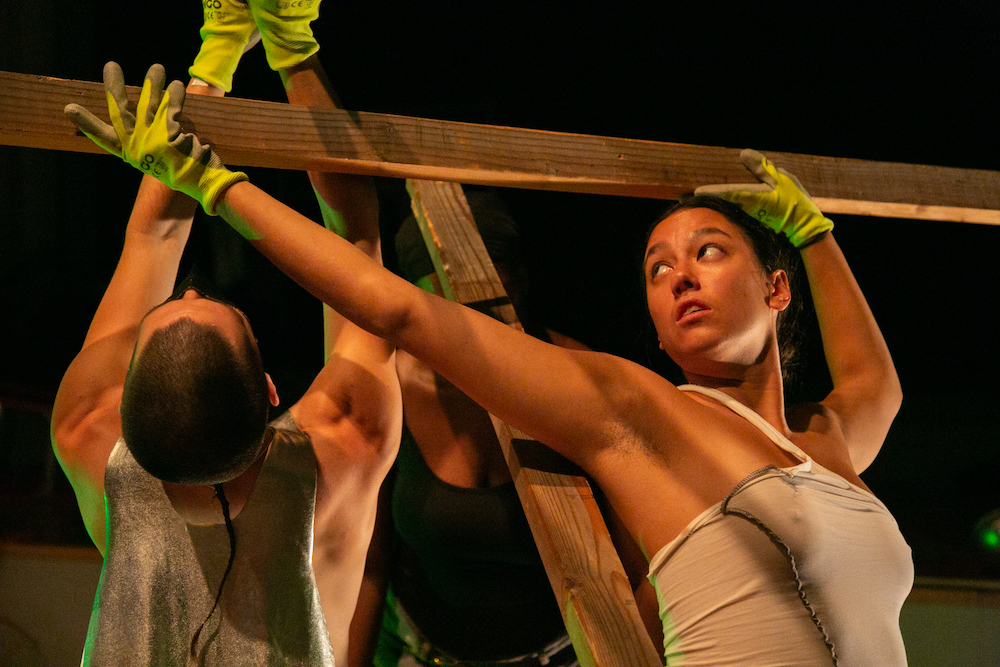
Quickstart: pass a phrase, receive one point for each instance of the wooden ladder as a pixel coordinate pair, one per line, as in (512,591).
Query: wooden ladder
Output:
(587,577)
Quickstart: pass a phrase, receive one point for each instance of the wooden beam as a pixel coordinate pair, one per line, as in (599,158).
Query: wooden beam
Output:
(583,567)
(250,133)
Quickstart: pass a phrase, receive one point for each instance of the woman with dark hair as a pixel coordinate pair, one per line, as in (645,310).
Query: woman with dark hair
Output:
(765,546)
(773,252)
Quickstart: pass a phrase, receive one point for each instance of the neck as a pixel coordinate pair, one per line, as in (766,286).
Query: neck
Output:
(198,504)
(759,387)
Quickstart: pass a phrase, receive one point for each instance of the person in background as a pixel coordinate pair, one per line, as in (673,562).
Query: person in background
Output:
(453,573)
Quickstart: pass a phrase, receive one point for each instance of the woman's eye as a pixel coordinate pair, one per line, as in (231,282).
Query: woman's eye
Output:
(709,251)
(658,269)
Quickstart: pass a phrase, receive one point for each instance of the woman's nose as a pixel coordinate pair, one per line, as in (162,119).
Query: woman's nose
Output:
(683,280)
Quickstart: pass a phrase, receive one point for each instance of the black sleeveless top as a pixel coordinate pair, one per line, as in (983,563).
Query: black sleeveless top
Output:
(466,569)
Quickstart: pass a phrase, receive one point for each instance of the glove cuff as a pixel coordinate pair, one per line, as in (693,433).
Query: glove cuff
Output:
(803,234)
(286,33)
(214,183)
(224,41)
(284,53)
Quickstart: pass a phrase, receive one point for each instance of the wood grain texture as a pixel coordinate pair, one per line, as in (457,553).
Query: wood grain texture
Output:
(582,564)
(267,134)
(583,567)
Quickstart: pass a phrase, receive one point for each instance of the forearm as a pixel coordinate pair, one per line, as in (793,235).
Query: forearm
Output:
(329,267)
(155,237)
(856,353)
(348,202)
(510,373)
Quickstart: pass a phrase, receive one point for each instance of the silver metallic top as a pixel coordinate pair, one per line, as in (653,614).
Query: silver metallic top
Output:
(161,575)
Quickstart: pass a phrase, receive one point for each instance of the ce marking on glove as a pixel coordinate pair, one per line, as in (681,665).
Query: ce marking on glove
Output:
(150,165)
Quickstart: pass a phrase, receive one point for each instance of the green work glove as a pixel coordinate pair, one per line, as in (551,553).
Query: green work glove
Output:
(152,141)
(284,30)
(228,33)
(779,200)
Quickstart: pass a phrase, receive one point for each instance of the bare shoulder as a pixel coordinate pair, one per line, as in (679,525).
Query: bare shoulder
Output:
(819,432)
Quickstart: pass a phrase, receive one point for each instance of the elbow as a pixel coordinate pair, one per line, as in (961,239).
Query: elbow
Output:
(385,312)
(398,314)
(63,435)
(892,393)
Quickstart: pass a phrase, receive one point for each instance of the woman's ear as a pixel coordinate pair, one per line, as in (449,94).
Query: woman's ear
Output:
(272,392)
(781,293)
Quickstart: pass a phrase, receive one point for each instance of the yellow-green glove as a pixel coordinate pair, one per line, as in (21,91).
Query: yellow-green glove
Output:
(779,201)
(228,32)
(152,141)
(285,31)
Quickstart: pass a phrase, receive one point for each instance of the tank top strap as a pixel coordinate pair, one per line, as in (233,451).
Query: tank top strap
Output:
(752,417)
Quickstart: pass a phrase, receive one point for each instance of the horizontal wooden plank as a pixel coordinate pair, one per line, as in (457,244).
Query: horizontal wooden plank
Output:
(268,134)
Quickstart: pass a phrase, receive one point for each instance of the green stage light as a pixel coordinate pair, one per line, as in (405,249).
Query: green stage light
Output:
(988,531)
(991,539)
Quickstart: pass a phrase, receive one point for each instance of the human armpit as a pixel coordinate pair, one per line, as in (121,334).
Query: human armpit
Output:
(864,424)
(86,425)
(353,410)
(819,431)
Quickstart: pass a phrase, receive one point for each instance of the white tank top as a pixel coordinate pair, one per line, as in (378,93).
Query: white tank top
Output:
(796,566)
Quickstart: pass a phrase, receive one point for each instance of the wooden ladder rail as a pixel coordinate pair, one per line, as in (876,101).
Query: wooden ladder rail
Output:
(583,567)
(249,133)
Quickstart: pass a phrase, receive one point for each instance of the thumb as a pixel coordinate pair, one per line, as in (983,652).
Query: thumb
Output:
(96,130)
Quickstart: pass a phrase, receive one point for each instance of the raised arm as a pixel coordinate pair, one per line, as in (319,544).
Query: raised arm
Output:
(576,402)
(561,397)
(85,420)
(866,393)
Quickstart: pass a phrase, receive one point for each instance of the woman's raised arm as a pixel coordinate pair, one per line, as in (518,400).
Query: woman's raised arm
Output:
(565,398)
(866,393)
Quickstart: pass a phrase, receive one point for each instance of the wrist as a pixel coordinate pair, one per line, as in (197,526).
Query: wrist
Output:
(199,87)
(214,186)
(228,207)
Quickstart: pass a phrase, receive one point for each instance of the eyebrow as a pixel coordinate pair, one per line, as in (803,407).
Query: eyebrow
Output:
(697,234)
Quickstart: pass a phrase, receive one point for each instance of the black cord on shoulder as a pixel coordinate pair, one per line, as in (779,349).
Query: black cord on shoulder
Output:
(221,495)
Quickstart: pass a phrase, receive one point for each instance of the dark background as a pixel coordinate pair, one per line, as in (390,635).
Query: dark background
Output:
(908,82)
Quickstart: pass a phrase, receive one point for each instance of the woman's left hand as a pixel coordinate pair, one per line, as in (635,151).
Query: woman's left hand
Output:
(779,201)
